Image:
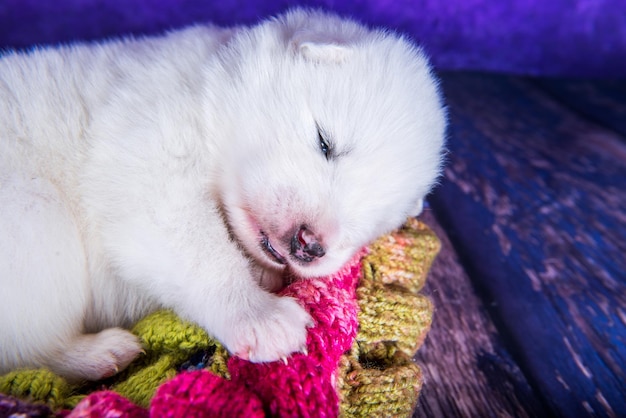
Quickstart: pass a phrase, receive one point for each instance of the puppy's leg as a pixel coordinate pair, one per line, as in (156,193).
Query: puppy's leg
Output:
(183,256)
(228,301)
(45,288)
(95,356)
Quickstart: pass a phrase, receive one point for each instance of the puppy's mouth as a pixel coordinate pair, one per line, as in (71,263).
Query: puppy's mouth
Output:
(266,245)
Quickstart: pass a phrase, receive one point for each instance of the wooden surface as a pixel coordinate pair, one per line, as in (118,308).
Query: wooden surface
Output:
(467,370)
(530,299)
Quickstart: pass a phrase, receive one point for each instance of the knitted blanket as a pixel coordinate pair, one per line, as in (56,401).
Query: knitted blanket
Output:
(369,321)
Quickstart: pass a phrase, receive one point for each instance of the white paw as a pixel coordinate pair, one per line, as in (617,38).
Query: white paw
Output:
(272,333)
(97,356)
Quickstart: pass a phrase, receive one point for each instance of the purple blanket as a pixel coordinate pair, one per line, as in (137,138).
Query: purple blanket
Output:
(538,37)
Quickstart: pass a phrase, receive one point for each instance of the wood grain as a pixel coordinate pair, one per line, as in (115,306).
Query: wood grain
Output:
(533,199)
(599,101)
(467,370)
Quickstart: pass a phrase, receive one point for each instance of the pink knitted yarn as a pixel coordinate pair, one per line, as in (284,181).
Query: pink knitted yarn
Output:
(203,394)
(303,387)
(107,404)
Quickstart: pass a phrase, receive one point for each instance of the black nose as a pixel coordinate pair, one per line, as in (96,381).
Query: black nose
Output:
(305,245)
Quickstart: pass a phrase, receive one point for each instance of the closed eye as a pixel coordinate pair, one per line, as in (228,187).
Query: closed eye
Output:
(324,145)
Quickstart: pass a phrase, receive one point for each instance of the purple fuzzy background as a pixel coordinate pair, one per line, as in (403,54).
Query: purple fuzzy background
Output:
(539,37)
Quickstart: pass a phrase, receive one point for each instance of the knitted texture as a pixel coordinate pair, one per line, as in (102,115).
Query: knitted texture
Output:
(107,404)
(305,385)
(186,373)
(378,376)
(39,384)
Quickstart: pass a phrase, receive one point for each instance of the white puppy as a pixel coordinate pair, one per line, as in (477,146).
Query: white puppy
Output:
(189,171)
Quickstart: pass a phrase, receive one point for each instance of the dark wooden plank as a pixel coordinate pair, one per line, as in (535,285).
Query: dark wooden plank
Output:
(467,370)
(602,101)
(533,199)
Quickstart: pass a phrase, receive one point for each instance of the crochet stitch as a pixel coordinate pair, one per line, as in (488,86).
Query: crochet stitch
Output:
(370,373)
(379,378)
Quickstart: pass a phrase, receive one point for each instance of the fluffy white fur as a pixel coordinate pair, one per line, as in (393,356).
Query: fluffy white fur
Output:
(156,172)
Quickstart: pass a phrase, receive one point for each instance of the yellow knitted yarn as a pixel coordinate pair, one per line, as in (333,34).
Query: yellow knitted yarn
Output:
(377,378)
(383,382)
(169,341)
(39,385)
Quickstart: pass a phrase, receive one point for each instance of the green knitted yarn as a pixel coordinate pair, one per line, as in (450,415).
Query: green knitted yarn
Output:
(378,377)
(39,385)
(168,341)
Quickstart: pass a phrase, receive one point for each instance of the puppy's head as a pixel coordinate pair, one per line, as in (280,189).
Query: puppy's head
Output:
(334,135)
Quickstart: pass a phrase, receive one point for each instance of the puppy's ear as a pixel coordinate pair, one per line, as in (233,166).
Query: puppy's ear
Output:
(320,47)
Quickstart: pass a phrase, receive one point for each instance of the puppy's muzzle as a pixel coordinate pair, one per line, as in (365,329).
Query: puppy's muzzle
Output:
(305,246)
